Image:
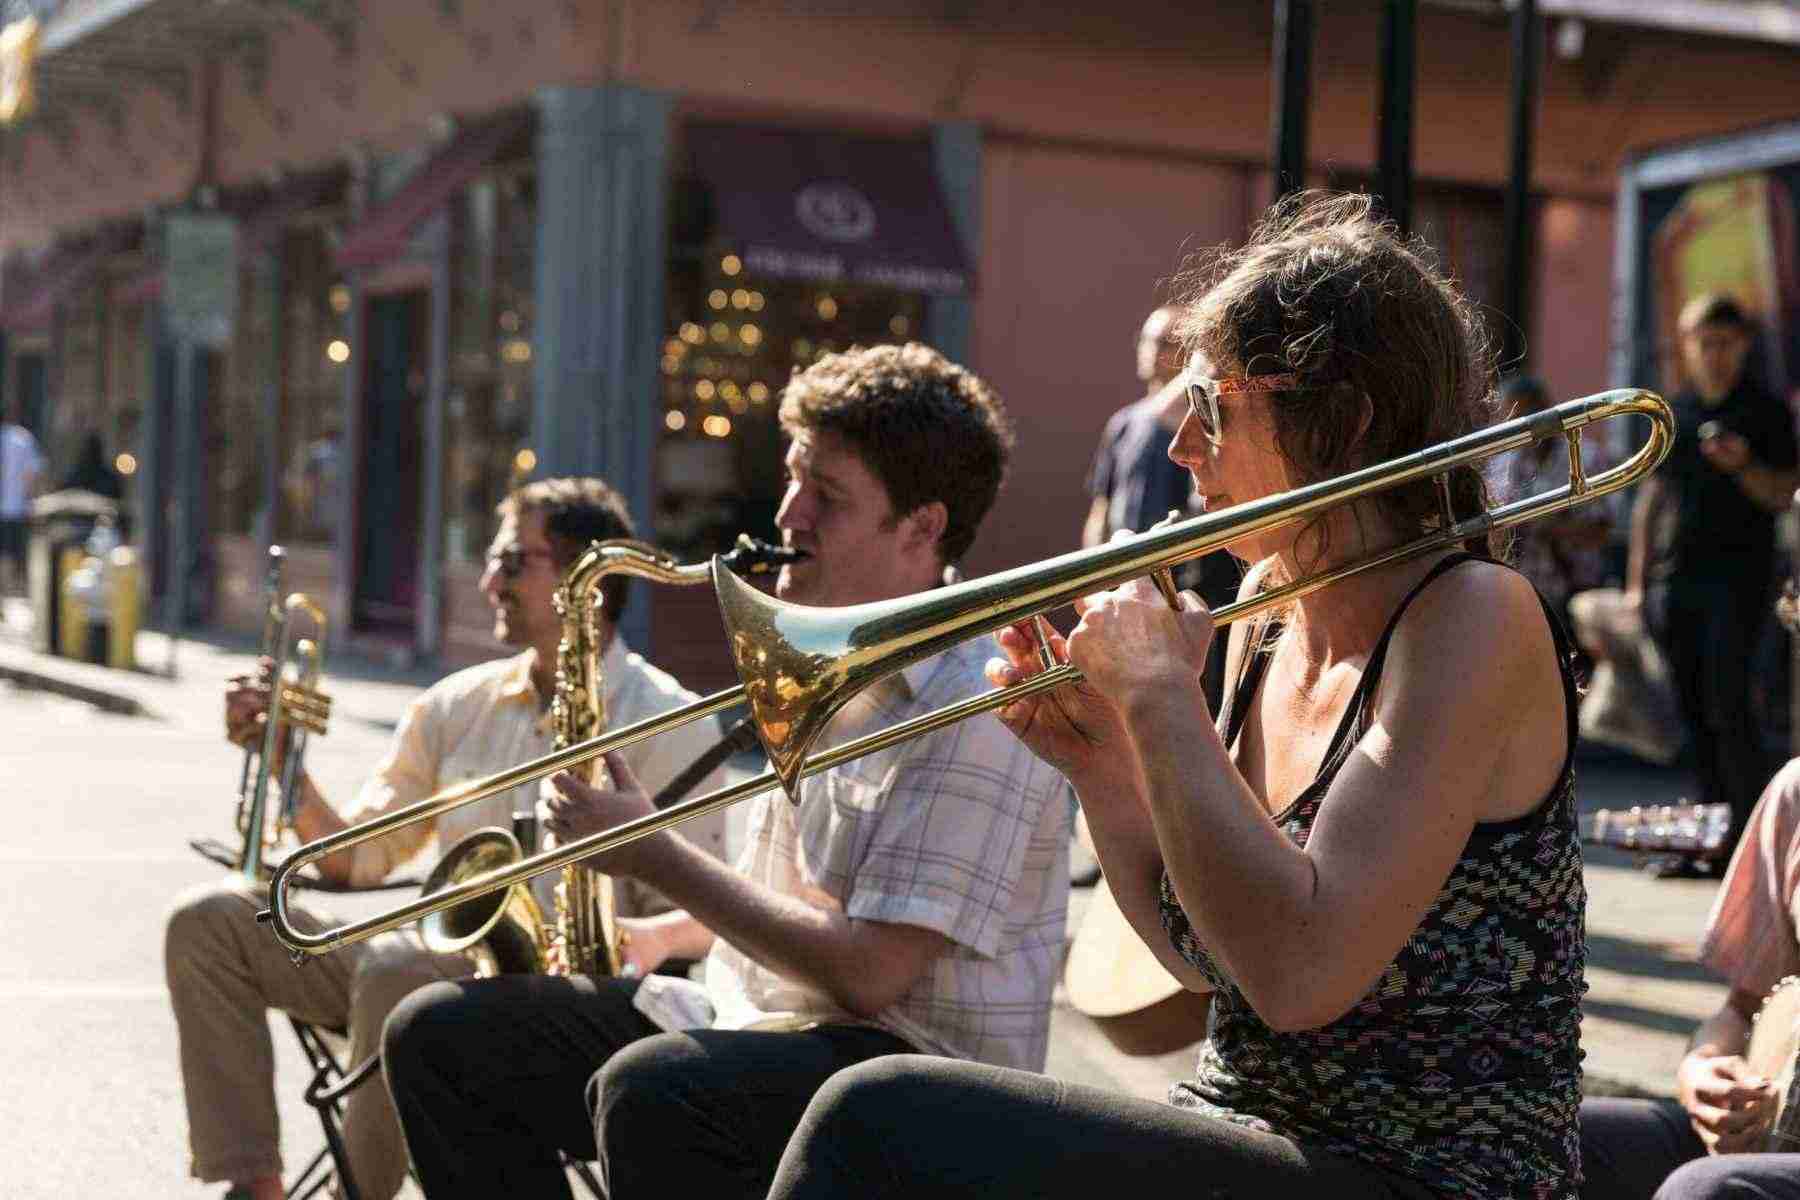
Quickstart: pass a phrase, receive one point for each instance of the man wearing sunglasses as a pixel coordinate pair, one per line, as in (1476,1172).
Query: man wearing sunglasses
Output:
(225,971)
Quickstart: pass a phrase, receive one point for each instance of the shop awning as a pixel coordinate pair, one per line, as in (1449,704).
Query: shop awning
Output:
(383,233)
(28,299)
(821,206)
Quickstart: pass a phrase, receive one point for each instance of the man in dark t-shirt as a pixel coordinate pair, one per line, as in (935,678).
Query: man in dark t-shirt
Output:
(1702,555)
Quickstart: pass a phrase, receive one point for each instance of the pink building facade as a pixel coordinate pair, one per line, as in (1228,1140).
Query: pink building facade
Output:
(479,242)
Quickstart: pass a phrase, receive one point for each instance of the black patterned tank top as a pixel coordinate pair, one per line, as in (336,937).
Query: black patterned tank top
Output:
(1461,1067)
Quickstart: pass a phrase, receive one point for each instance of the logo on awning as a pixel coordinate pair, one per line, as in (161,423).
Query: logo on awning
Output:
(835,212)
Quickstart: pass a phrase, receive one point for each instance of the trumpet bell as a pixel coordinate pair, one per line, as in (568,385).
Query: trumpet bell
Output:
(501,931)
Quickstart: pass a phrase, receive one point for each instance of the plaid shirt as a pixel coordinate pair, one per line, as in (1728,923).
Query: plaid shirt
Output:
(1751,939)
(962,831)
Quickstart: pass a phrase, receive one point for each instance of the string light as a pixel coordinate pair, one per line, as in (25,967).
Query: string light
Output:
(756,301)
(717,298)
(899,325)
(750,335)
(516,351)
(717,425)
(729,390)
(338,350)
(675,420)
(125,464)
(340,298)
(759,391)
(740,298)
(731,264)
(692,334)
(674,346)
(671,365)
(738,404)
(704,389)
(525,461)
(720,331)
(828,308)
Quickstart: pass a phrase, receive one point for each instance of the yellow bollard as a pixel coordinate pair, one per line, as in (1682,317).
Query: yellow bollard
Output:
(71,617)
(122,585)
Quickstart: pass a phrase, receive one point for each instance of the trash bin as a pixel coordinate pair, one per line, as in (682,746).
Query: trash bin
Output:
(60,525)
(100,601)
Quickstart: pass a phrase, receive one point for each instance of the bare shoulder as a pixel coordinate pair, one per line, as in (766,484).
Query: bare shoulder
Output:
(1478,631)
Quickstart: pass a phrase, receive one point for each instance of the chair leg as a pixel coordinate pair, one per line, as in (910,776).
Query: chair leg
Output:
(330,1083)
(586,1174)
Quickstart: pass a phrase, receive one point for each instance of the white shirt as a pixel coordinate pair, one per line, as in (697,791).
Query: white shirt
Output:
(487,718)
(20,464)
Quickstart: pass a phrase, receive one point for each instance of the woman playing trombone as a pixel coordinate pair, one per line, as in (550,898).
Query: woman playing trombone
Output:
(1369,858)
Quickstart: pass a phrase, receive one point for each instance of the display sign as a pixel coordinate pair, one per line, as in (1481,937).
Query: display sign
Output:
(200,284)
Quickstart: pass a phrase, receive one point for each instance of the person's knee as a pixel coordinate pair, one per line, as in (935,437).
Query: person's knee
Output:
(874,1092)
(202,920)
(634,1091)
(421,1028)
(1716,1177)
(383,979)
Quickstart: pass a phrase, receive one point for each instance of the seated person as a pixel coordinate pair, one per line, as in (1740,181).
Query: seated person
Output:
(913,900)
(1705,1143)
(225,971)
(1370,860)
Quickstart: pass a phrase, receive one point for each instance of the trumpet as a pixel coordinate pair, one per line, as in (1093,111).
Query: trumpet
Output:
(294,699)
(800,665)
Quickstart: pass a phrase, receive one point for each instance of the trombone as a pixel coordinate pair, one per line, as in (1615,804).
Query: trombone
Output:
(801,664)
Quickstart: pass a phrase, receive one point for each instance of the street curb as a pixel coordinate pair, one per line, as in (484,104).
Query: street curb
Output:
(113,702)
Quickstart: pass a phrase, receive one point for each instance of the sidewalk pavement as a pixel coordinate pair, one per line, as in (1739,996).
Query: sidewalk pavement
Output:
(1646,991)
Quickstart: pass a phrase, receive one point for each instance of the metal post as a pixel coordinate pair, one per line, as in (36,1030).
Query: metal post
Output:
(1292,86)
(1525,43)
(1393,176)
(186,467)
(274,278)
(429,637)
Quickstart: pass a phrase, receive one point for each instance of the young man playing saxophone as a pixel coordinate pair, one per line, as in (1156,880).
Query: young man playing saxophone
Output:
(913,901)
(225,971)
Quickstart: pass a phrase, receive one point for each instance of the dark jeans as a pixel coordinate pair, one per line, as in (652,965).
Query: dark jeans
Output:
(489,1078)
(1709,629)
(914,1126)
(1636,1149)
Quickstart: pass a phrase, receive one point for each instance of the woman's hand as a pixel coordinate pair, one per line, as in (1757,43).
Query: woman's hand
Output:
(1073,728)
(1130,644)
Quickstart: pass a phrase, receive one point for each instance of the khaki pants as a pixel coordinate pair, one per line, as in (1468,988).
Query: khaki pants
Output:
(225,972)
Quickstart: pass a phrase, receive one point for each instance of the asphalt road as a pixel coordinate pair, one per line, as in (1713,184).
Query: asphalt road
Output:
(104,805)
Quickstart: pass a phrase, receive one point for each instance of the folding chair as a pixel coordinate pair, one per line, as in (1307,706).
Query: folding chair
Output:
(330,1084)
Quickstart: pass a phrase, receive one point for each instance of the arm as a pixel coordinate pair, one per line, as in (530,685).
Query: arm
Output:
(246,714)
(1306,931)
(865,966)
(1651,496)
(1124,833)
(1093,529)
(648,942)
(1770,487)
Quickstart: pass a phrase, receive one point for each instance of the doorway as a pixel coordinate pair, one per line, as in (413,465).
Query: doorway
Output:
(391,475)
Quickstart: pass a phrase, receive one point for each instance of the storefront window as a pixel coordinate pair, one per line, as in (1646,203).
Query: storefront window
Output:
(313,470)
(488,431)
(731,341)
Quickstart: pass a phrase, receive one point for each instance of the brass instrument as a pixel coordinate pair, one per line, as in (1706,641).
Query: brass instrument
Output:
(507,933)
(294,699)
(801,664)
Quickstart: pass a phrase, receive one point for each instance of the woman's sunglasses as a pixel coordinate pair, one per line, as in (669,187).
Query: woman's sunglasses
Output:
(1204,393)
